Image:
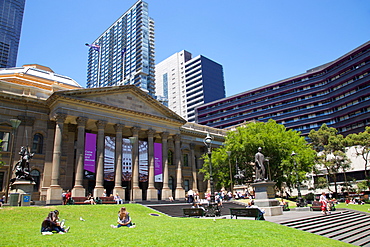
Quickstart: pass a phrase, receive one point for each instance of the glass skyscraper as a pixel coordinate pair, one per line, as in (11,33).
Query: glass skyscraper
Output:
(124,53)
(11,16)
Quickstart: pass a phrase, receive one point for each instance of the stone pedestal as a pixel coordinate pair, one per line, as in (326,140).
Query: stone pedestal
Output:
(78,191)
(152,194)
(22,186)
(54,195)
(20,192)
(166,193)
(180,194)
(98,191)
(265,198)
(138,196)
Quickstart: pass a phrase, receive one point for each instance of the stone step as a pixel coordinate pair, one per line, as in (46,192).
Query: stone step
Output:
(344,228)
(314,219)
(357,236)
(333,223)
(348,226)
(362,242)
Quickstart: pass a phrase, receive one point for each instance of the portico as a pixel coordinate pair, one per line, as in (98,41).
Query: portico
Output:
(114,139)
(121,113)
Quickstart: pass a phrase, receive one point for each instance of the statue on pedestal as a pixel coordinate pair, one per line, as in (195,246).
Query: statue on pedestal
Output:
(22,168)
(260,167)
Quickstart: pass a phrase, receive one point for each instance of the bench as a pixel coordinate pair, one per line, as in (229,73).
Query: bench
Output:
(193,212)
(246,212)
(105,200)
(77,200)
(316,206)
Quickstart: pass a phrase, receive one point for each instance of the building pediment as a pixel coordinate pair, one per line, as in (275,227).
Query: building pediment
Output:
(120,99)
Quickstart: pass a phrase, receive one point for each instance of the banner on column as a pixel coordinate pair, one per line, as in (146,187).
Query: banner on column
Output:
(143,161)
(126,160)
(109,152)
(158,170)
(90,155)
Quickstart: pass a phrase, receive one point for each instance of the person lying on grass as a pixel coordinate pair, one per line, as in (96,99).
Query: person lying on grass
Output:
(123,219)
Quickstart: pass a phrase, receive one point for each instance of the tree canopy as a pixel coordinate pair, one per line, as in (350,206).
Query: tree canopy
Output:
(277,145)
(331,150)
(361,142)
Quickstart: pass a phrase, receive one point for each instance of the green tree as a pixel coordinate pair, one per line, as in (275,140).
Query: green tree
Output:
(361,143)
(362,186)
(321,183)
(331,155)
(277,145)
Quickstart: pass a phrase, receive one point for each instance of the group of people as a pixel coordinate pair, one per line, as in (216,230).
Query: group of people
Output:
(66,197)
(90,199)
(326,204)
(354,201)
(51,224)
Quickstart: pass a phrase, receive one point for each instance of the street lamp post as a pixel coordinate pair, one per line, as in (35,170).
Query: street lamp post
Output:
(231,177)
(132,141)
(300,204)
(208,142)
(15,124)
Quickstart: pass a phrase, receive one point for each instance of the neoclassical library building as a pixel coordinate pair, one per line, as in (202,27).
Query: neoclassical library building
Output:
(111,139)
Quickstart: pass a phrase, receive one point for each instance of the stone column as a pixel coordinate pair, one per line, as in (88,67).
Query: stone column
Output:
(180,192)
(193,168)
(151,192)
(48,165)
(54,193)
(166,191)
(136,193)
(118,162)
(99,188)
(78,189)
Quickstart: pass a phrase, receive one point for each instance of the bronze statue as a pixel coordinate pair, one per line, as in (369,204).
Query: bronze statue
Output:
(22,168)
(260,167)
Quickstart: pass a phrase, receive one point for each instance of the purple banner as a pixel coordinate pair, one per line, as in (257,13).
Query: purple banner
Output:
(90,154)
(158,174)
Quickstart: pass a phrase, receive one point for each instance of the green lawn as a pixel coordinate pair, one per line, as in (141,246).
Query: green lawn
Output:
(20,226)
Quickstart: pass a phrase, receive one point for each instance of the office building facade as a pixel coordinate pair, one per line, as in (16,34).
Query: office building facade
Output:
(11,17)
(336,93)
(124,53)
(183,83)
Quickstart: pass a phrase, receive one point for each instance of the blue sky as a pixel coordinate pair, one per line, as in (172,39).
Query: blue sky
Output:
(257,41)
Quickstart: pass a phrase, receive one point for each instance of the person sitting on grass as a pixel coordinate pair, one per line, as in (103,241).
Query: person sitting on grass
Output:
(50,225)
(123,219)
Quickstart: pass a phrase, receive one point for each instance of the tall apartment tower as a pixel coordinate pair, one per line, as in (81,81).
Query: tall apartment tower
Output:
(124,53)
(11,16)
(183,83)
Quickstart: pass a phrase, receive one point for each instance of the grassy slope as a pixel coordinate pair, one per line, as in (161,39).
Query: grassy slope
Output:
(20,226)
